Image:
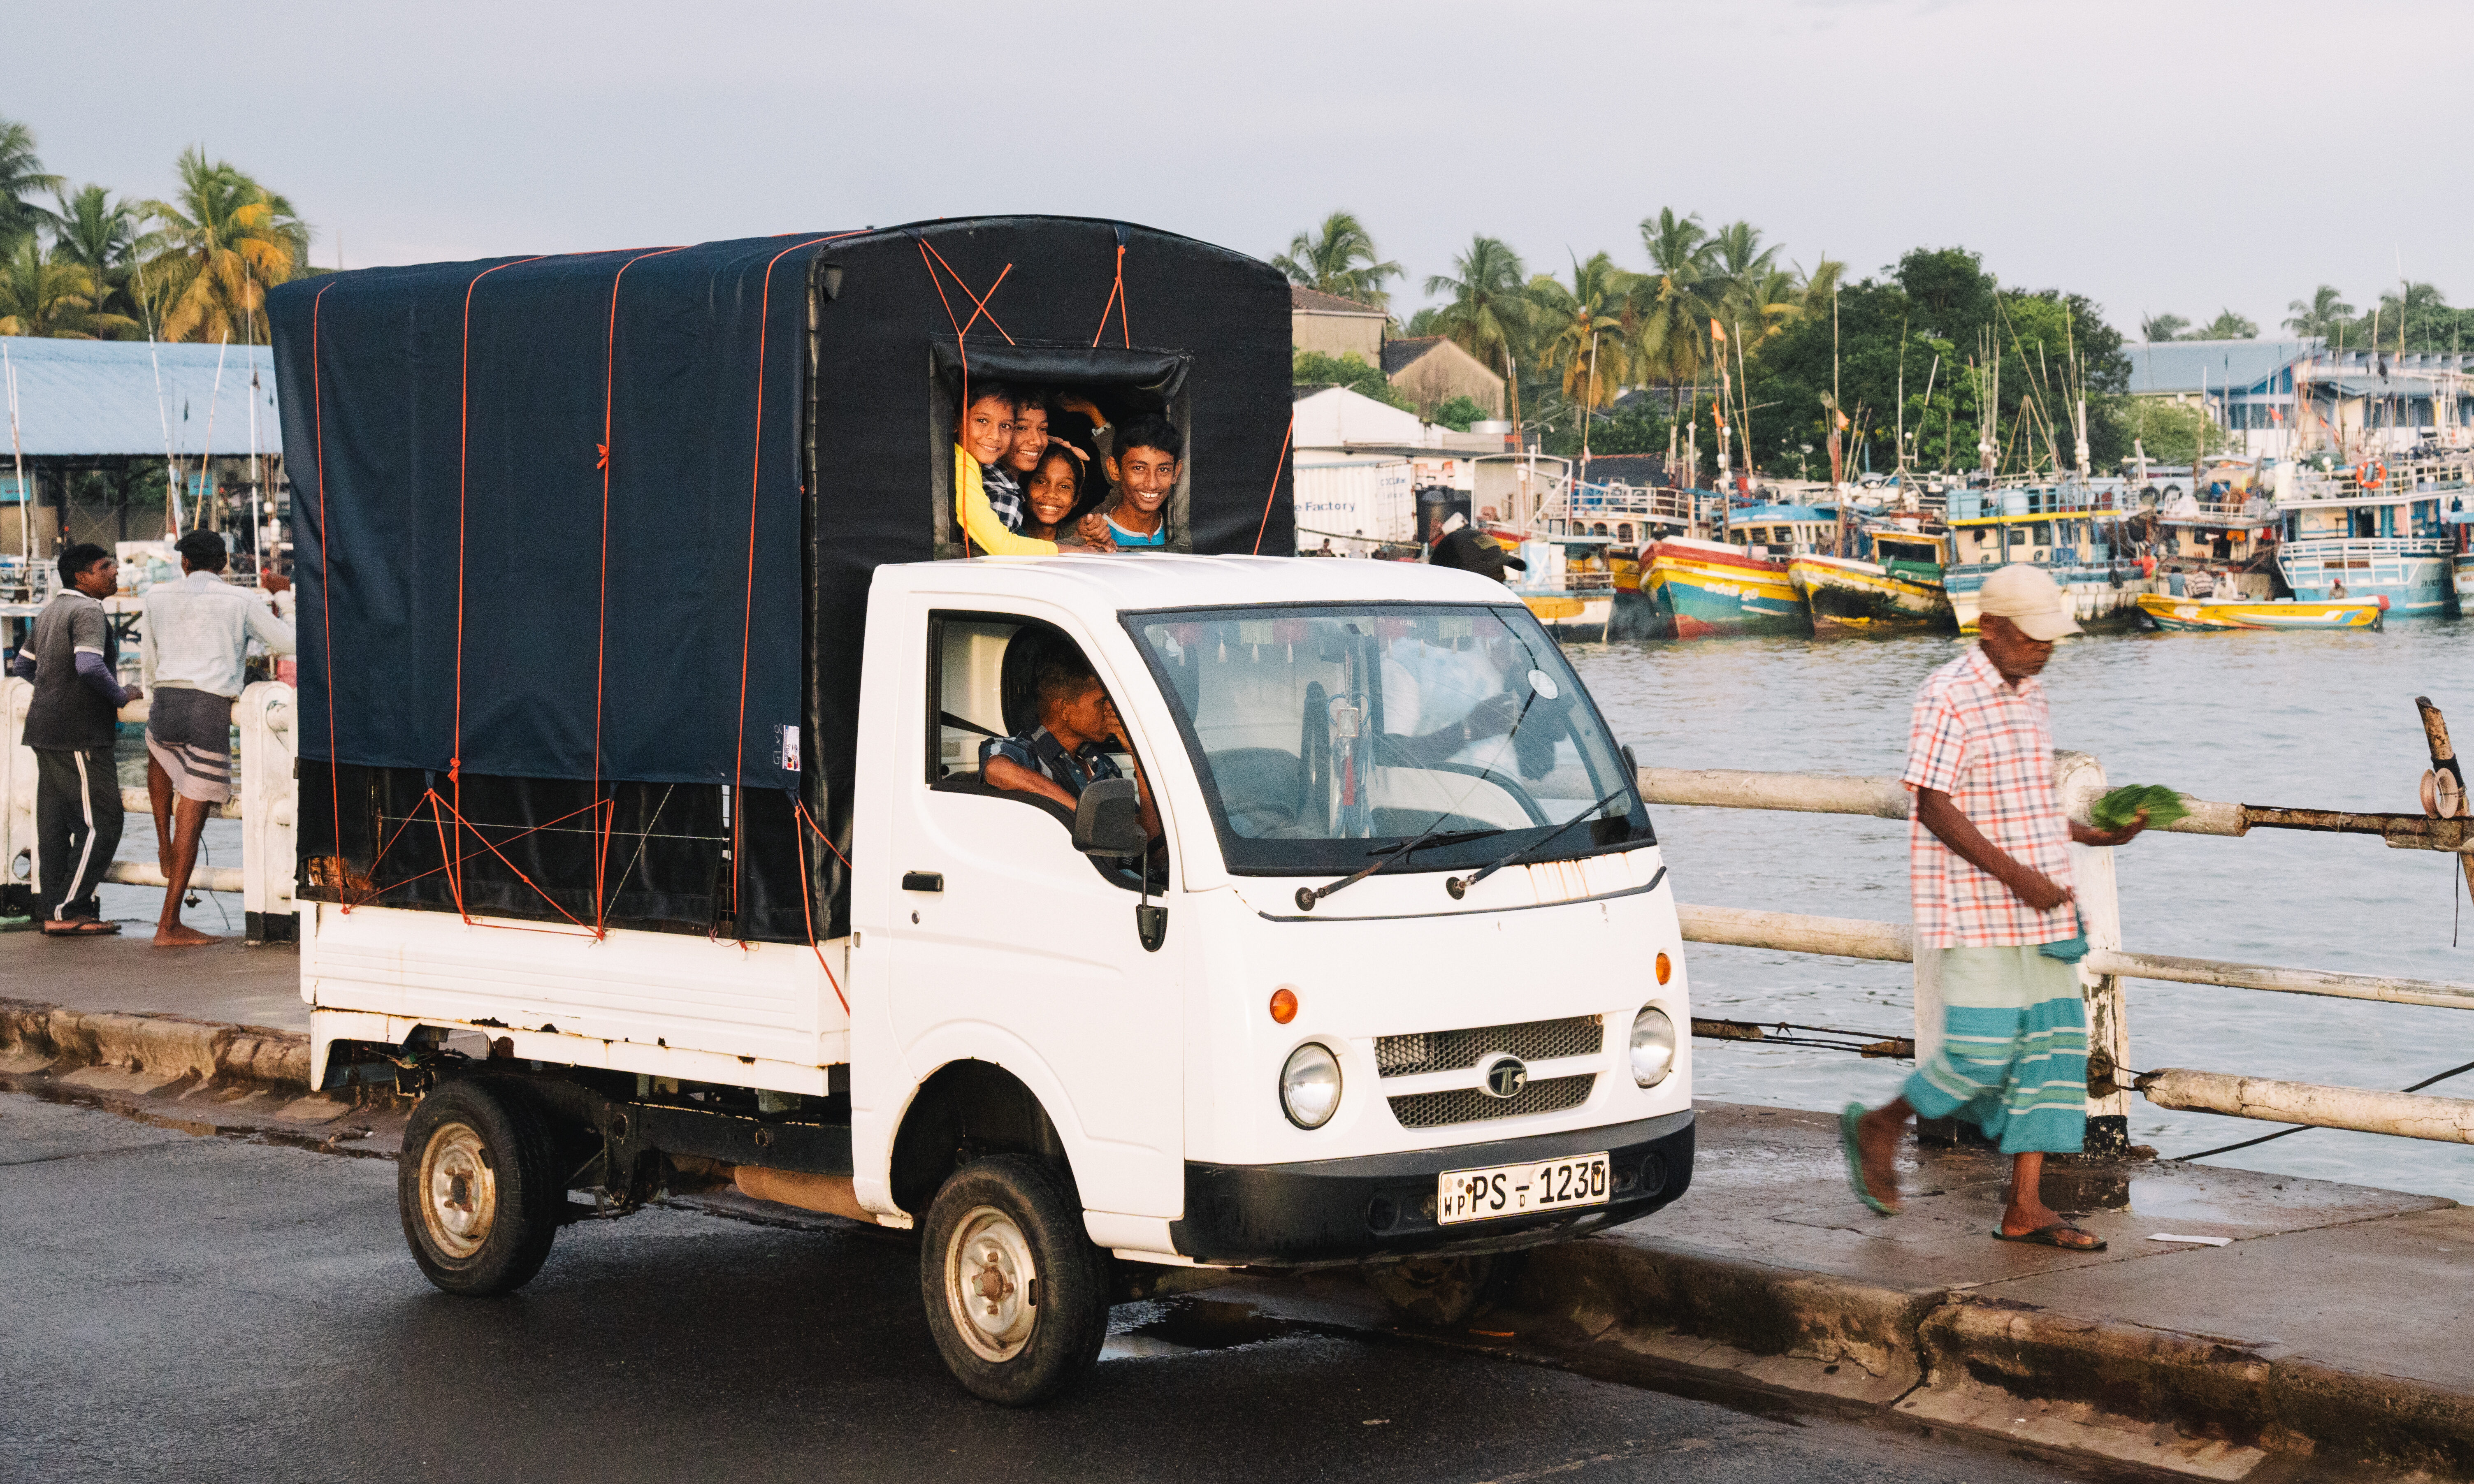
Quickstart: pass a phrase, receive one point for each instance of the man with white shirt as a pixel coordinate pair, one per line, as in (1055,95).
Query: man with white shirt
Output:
(197,639)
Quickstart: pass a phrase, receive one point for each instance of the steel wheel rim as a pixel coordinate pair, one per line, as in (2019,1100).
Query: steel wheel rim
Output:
(989,1284)
(459,1191)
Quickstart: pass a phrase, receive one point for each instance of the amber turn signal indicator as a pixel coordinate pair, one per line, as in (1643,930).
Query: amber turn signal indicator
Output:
(1284,1006)
(1664,968)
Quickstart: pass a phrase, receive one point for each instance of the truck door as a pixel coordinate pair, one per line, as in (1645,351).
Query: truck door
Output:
(1010,946)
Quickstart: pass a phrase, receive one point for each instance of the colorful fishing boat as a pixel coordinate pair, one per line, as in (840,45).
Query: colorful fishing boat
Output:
(2057,528)
(1706,588)
(1568,587)
(2373,528)
(2214,614)
(1898,588)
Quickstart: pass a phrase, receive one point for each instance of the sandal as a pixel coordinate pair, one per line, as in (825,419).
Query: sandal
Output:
(1848,1141)
(81,927)
(2050,1236)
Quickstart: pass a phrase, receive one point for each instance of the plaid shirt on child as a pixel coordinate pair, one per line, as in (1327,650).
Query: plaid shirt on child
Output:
(1005,495)
(1989,745)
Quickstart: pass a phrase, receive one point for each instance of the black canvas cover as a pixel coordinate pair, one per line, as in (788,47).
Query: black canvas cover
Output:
(612,517)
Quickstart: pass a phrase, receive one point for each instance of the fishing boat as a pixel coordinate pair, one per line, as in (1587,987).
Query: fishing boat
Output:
(1739,585)
(2216,614)
(2060,528)
(1893,583)
(1569,586)
(2373,528)
(2460,525)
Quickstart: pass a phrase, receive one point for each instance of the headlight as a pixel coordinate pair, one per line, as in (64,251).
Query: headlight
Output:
(1310,1085)
(1653,1046)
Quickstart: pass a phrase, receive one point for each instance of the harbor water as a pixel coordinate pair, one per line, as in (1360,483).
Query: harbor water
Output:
(2305,719)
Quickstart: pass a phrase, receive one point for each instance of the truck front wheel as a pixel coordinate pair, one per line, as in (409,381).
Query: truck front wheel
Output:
(1017,1296)
(477,1187)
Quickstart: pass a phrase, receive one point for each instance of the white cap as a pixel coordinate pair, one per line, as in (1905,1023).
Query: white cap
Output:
(2029,598)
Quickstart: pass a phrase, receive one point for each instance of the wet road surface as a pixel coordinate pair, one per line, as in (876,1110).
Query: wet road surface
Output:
(205,1308)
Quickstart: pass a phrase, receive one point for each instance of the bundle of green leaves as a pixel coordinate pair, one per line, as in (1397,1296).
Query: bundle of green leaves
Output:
(2120,807)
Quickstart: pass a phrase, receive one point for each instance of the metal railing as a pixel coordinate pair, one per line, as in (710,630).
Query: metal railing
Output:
(2080,780)
(264,802)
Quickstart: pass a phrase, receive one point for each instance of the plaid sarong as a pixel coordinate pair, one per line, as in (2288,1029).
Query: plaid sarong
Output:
(189,732)
(2013,1058)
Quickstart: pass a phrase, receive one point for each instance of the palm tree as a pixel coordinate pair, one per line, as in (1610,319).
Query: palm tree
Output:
(2413,313)
(22,173)
(1341,260)
(1583,329)
(2227,325)
(217,247)
(2163,327)
(1488,313)
(1669,312)
(43,294)
(99,235)
(2321,316)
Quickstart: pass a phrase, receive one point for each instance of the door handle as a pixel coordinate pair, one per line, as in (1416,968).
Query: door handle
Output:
(923,880)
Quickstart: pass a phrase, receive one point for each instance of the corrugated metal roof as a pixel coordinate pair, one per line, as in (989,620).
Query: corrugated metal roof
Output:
(2168,366)
(78,398)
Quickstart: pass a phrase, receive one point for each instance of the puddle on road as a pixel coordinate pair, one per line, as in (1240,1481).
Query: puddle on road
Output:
(1167,1328)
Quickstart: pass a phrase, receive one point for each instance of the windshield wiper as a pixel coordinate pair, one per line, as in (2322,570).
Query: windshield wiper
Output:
(1459,886)
(1308,896)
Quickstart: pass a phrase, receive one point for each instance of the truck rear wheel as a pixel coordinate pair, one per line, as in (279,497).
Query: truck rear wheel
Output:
(477,1187)
(1017,1296)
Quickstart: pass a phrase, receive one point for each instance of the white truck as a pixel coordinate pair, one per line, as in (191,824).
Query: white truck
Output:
(1398,979)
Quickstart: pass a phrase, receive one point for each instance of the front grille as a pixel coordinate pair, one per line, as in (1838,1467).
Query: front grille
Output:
(1454,1051)
(1468,1105)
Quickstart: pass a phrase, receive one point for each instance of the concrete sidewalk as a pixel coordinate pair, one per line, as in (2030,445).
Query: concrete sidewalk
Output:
(2327,1339)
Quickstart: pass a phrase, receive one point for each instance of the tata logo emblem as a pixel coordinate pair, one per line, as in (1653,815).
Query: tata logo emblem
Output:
(1505,1077)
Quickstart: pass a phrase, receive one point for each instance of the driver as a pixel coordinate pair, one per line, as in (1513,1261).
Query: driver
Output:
(1062,754)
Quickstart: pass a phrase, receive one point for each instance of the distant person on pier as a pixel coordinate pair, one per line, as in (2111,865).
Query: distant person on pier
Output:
(197,639)
(70,725)
(1989,861)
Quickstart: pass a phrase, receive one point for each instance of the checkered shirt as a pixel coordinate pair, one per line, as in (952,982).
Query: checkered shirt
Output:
(1989,745)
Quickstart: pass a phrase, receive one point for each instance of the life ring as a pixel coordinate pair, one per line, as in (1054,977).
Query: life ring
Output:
(2371,475)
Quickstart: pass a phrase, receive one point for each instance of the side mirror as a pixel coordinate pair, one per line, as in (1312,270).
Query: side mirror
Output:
(1108,820)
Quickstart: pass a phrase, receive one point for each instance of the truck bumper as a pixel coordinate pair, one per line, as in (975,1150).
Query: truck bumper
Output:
(1378,1206)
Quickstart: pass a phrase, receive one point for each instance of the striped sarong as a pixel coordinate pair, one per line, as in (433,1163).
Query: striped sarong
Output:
(189,734)
(2013,1058)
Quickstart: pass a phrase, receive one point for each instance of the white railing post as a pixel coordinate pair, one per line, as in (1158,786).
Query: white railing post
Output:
(16,793)
(269,803)
(2079,781)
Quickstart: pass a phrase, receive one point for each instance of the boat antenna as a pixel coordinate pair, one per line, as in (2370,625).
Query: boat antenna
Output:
(25,502)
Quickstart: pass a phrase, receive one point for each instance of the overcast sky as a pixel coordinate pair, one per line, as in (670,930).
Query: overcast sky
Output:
(2155,156)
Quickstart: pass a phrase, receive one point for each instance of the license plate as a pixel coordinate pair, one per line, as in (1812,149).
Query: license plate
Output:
(1518,1189)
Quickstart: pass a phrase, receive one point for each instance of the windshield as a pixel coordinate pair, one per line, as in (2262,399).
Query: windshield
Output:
(1327,735)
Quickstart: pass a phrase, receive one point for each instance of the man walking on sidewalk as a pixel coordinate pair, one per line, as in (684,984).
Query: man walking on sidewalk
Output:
(1989,853)
(198,631)
(71,723)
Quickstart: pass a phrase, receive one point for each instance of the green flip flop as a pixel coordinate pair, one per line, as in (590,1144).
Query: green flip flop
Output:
(1846,1140)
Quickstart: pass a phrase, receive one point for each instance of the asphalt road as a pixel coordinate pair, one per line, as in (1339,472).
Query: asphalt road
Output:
(181,1308)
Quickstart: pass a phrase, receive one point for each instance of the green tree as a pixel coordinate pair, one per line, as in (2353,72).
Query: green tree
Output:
(1339,258)
(2320,316)
(1669,313)
(21,174)
(1488,312)
(2227,325)
(1459,412)
(42,294)
(1582,330)
(1313,368)
(99,235)
(2163,327)
(2172,432)
(218,245)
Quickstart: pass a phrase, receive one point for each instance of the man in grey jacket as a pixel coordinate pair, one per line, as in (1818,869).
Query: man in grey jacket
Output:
(196,646)
(70,726)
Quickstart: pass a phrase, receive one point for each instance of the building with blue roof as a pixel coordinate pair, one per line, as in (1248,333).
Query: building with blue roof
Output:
(103,428)
(2274,396)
